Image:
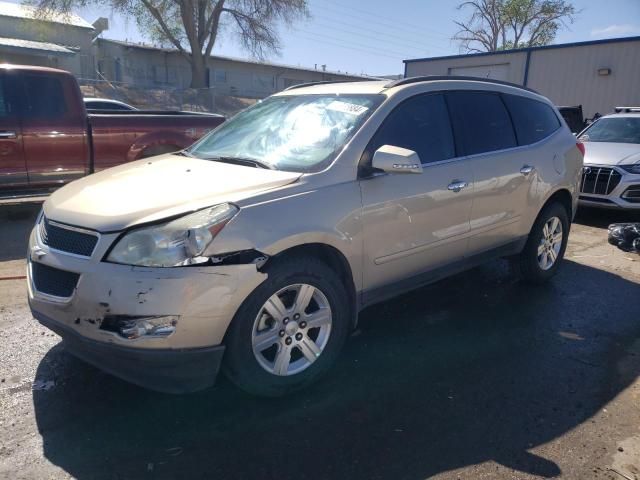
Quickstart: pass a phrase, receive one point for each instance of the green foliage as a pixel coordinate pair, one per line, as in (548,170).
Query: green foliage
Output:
(496,25)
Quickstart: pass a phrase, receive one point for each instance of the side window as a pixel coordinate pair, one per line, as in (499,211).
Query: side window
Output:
(533,120)
(420,124)
(45,97)
(481,122)
(4,108)
(10,95)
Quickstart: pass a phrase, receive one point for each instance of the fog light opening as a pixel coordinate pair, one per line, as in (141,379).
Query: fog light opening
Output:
(138,327)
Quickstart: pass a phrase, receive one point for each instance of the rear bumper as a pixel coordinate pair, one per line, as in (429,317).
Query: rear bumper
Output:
(162,370)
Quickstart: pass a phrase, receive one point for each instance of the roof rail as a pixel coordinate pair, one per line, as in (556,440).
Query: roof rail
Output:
(432,78)
(327,82)
(626,109)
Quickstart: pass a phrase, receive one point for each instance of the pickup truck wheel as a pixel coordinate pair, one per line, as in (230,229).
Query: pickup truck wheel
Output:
(159,150)
(289,330)
(545,247)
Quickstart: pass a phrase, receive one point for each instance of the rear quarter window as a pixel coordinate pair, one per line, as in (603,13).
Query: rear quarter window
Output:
(533,120)
(481,122)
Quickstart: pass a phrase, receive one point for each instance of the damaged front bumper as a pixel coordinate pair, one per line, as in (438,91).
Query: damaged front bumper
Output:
(109,313)
(164,370)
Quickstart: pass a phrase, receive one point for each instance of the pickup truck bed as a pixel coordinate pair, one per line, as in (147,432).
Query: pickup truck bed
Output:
(47,138)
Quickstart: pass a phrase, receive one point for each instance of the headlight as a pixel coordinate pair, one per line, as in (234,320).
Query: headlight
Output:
(178,242)
(632,168)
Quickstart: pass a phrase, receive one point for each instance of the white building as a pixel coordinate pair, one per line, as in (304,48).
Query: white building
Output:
(154,67)
(599,74)
(59,41)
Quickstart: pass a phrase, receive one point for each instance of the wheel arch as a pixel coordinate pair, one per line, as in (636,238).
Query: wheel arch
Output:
(333,258)
(562,196)
(163,141)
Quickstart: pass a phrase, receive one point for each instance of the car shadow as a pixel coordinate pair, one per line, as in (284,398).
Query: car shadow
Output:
(602,218)
(16,222)
(475,368)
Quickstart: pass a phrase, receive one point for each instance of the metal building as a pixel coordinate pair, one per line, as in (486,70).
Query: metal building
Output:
(599,74)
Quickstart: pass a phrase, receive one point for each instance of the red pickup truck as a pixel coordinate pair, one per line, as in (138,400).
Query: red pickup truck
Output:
(47,138)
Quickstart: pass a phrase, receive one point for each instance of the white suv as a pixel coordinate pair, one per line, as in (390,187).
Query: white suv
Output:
(611,176)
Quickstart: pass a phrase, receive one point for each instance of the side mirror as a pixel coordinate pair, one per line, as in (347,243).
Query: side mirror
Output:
(392,159)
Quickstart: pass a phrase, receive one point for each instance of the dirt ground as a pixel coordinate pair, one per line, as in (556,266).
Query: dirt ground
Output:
(475,377)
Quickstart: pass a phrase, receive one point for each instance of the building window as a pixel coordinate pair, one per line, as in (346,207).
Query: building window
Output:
(219,76)
(290,82)
(159,74)
(264,82)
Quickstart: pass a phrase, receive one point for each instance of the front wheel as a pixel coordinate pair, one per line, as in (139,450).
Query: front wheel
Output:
(545,247)
(289,330)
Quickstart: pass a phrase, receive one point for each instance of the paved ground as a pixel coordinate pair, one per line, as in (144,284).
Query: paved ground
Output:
(475,377)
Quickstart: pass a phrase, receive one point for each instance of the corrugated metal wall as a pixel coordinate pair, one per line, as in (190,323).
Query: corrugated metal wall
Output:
(568,76)
(515,61)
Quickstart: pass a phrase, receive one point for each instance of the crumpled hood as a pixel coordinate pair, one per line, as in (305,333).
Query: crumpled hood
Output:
(156,188)
(605,153)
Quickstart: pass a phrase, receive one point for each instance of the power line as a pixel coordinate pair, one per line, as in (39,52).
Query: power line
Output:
(369,37)
(392,23)
(396,53)
(343,46)
(403,41)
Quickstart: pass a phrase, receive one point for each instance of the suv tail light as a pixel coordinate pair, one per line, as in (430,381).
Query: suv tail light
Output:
(580,146)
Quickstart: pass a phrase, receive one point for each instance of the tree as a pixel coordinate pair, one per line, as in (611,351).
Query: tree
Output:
(193,26)
(502,24)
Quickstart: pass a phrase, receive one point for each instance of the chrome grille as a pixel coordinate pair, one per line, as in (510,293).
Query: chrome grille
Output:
(599,180)
(67,239)
(53,281)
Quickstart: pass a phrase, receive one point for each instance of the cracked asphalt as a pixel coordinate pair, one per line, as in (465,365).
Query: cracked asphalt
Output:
(475,377)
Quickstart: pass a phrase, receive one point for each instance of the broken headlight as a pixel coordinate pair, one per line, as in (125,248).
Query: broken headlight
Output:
(179,242)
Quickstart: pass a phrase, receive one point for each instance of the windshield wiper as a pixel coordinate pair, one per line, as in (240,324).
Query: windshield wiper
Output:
(248,162)
(184,153)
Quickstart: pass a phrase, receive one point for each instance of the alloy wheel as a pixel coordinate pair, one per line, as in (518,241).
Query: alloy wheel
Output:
(291,329)
(550,243)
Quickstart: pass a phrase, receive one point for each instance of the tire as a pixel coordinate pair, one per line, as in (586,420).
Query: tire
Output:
(262,372)
(531,263)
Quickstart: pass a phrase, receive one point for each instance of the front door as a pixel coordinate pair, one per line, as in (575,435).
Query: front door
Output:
(414,223)
(53,130)
(13,168)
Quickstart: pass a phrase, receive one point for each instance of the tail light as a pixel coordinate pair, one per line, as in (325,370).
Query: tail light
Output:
(580,146)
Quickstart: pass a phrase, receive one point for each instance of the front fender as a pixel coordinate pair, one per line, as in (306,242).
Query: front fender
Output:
(330,215)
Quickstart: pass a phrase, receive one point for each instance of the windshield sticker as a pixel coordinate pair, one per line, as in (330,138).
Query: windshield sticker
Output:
(345,107)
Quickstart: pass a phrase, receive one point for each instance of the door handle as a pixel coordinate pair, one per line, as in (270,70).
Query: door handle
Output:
(527,169)
(457,185)
(7,134)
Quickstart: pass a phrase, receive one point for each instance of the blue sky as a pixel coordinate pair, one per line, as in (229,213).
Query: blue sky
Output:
(374,36)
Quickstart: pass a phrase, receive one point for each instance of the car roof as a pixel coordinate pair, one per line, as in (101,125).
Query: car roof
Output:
(390,87)
(106,100)
(623,115)
(32,68)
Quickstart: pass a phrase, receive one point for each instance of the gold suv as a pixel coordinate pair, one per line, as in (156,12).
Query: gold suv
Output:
(255,249)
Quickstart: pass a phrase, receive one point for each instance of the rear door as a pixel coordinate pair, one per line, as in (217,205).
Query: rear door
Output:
(13,168)
(414,223)
(504,186)
(54,129)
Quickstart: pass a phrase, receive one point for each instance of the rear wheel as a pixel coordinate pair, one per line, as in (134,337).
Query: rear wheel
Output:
(545,247)
(289,330)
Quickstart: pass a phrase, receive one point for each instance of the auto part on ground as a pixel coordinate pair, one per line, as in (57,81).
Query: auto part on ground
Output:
(625,236)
